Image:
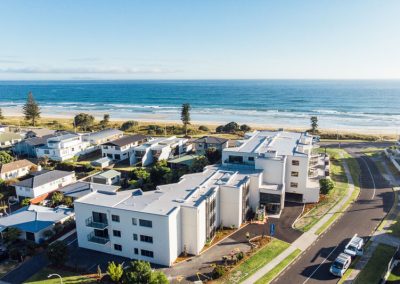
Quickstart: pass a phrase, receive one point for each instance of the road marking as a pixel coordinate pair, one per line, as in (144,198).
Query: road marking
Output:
(372,177)
(308,278)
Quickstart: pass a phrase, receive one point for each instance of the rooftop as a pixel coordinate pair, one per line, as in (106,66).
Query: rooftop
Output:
(126,140)
(102,134)
(109,174)
(35,218)
(189,191)
(43,177)
(8,136)
(81,188)
(5,168)
(211,140)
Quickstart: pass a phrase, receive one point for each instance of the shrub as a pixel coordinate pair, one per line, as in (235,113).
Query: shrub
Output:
(218,271)
(5,157)
(219,129)
(326,185)
(240,255)
(115,271)
(245,128)
(57,253)
(25,202)
(129,125)
(203,128)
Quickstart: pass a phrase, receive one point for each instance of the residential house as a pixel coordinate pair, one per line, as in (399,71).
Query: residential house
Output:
(41,183)
(37,132)
(201,145)
(27,147)
(16,169)
(102,136)
(120,149)
(8,139)
(34,220)
(184,161)
(158,149)
(109,177)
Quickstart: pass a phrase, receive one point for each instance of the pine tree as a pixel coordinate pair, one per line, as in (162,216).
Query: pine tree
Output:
(185,116)
(314,124)
(31,109)
(1,114)
(105,122)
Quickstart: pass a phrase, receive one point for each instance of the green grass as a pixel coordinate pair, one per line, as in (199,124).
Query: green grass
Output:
(67,276)
(376,265)
(394,276)
(278,269)
(258,260)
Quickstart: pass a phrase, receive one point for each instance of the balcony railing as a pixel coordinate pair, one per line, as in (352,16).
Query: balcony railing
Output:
(96,224)
(98,240)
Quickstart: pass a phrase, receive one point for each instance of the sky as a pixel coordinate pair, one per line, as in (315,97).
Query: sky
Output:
(208,39)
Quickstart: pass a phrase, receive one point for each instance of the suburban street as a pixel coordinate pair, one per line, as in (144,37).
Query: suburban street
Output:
(374,202)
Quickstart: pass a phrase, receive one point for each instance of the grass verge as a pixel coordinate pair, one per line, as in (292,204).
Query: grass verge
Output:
(67,277)
(245,269)
(376,265)
(394,276)
(279,268)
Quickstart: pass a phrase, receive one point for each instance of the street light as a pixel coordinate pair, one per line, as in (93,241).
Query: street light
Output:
(55,274)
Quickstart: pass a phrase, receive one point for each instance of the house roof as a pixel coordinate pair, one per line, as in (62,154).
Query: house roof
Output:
(102,134)
(82,188)
(109,174)
(35,218)
(5,168)
(185,159)
(211,140)
(8,136)
(43,177)
(39,132)
(126,140)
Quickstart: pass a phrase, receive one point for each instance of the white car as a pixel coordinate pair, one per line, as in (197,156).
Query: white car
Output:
(355,246)
(340,265)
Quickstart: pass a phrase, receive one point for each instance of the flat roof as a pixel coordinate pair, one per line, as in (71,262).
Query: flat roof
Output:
(190,191)
(109,174)
(82,188)
(102,134)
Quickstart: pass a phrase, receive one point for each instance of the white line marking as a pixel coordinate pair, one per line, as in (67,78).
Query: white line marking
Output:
(372,177)
(320,264)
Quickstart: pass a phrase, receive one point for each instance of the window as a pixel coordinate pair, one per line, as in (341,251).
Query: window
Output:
(134,221)
(295,163)
(146,239)
(115,218)
(294,174)
(117,247)
(136,251)
(294,184)
(116,233)
(135,237)
(145,223)
(147,253)
(251,159)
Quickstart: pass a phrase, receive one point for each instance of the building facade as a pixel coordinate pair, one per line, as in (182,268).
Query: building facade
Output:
(120,149)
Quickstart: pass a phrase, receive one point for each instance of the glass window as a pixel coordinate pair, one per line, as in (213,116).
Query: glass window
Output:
(117,247)
(116,233)
(147,253)
(146,239)
(145,223)
(135,237)
(295,162)
(251,159)
(136,250)
(294,174)
(134,221)
(294,184)
(115,218)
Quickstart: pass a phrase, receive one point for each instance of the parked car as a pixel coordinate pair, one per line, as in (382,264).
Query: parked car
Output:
(340,265)
(355,246)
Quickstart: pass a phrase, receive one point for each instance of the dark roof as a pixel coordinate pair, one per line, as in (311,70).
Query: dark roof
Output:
(211,140)
(42,177)
(127,140)
(38,141)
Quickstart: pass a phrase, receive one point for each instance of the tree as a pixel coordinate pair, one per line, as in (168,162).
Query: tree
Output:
(83,121)
(67,201)
(138,272)
(129,125)
(159,172)
(326,185)
(57,253)
(115,271)
(31,109)
(245,128)
(158,277)
(213,155)
(25,202)
(48,234)
(314,124)
(231,127)
(218,271)
(219,129)
(198,164)
(185,116)
(203,128)
(105,122)
(11,235)
(5,157)
(56,198)
(1,114)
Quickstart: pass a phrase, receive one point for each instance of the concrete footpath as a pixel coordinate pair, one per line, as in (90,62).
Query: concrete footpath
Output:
(308,238)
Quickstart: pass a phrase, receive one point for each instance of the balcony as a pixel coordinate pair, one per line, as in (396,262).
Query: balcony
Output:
(98,240)
(97,225)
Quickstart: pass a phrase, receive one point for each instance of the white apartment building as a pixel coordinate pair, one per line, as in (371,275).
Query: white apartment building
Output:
(121,148)
(160,225)
(64,147)
(42,183)
(158,149)
(290,169)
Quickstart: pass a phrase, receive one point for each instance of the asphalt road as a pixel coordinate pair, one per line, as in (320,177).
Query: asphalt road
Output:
(374,202)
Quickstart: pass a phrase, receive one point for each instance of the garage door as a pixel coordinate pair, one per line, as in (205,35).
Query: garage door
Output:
(294,197)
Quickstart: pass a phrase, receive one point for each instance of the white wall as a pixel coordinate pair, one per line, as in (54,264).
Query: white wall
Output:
(231,206)
(15,174)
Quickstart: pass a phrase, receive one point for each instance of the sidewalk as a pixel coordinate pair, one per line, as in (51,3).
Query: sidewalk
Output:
(308,238)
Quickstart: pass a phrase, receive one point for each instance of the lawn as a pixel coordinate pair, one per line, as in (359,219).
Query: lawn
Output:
(67,276)
(394,277)
(278,269)
(377,265)
(258,260)
(320,209)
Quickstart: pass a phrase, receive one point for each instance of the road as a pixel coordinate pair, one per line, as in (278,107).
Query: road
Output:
(373,203)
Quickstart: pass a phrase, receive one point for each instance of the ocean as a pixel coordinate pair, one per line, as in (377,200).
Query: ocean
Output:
(363,105)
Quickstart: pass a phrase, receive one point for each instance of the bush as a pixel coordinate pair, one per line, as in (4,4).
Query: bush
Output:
(115,271)
(57,253)
(245,128)
(219,129)
(25,202)
(129,125)
(326,185)
(5,157)
(218,271)
(231,127)
(203,128)
(240,255)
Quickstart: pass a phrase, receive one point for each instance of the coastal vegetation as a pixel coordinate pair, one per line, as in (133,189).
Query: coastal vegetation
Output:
(31,110)
(1,114)
(314,124)
(185,116)
(83,121)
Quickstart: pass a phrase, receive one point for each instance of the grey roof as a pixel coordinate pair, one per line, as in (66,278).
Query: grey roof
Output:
(8,136)
(38,141)
(126,140)
(108,174)
(101,160)
(81,188)
(42,177)
(35,218)
(102,134)
(39,132)
(211,140)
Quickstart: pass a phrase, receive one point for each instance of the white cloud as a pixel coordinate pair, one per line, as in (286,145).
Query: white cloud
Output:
(86,70)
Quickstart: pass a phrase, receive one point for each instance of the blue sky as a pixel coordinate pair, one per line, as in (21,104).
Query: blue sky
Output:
(206,39)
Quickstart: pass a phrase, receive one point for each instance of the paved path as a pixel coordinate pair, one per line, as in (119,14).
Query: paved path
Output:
(308,238)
